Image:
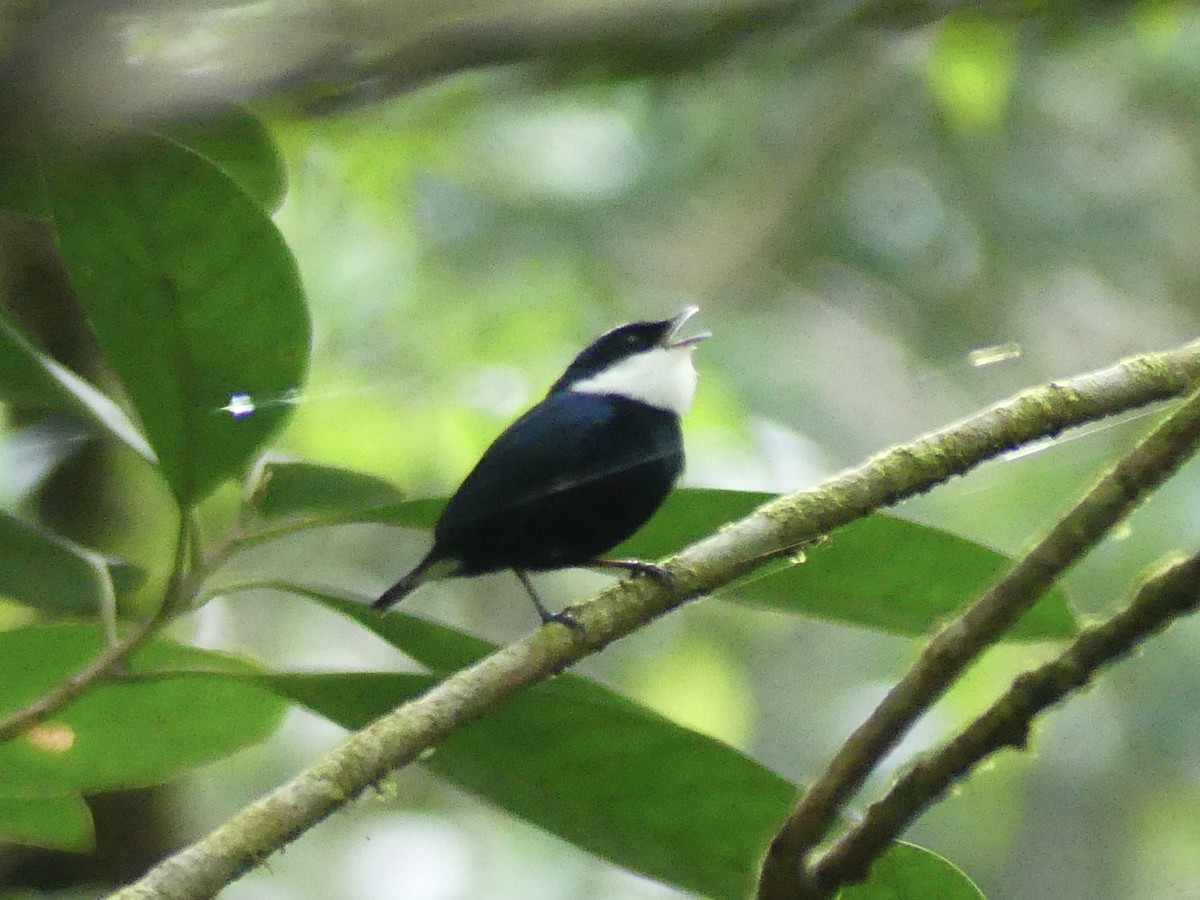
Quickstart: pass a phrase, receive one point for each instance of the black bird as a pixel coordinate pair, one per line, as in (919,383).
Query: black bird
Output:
(578,473)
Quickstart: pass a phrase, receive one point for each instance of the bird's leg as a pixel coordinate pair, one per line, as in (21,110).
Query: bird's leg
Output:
(658,573)
(562,618)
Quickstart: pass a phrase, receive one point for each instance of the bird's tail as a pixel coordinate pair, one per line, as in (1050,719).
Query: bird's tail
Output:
(405,585)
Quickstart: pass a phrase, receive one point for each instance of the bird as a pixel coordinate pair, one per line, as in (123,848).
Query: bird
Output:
(578,473)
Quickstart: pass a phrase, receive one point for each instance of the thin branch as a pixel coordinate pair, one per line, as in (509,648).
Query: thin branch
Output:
(347,55)
(64,692)
(108,597)
(624,37)
(115,653)
(250,836)
(619,38)
(1167,596)
(1155,459)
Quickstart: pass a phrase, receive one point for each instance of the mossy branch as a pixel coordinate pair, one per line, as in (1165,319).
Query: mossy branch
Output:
(394,740)
(948,653)
(1167,596)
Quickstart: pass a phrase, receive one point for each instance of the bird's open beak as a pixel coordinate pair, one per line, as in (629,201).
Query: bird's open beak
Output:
(669,341)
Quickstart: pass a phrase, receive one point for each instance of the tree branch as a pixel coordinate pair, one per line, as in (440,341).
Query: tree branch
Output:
(1155,459)
(66,69)
(64,692)
(629,38)
(65,66)
(179,589)
(363,758)
(1167,596)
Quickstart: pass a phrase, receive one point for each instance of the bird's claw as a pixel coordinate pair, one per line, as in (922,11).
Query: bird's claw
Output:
(665,577)
(564,617)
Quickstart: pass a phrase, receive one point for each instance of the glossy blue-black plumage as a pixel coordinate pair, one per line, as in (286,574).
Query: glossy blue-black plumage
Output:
(569,480)
(578,473)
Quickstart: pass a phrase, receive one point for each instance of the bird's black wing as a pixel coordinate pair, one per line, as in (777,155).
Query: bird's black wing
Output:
(571,449)
(560,443)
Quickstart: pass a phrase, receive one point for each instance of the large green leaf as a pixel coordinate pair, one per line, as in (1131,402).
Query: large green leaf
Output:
(438,647)
(620,782)
(611,778)
(591,766)
(880,572)
(21,188)
(421,513)
(909,872)
(29,377)
(54,821)
(240,145)
(597,757)
(194,296)
(44,570)
(125,733)
(24,377)
(232,139)
(283,489)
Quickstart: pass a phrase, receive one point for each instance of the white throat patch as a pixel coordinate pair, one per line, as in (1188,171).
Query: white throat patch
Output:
(663,378)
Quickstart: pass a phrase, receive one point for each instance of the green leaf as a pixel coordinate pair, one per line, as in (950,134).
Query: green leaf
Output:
(435,646)
(241,147)
(21,188)
(49,572)
(25,379)
(283,489)
(29,377)
(52,821)
(894,575)
(909,872)
(609,777)
(880,572)
(422,513)
(194,296)
(700,822)
(625,784)
(126,577)
(126,733)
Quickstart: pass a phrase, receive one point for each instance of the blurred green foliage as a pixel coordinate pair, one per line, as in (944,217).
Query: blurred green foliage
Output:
(855,216)
(161,242)
(853,223)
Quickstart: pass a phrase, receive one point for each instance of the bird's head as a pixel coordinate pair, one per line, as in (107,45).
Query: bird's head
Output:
(644,361)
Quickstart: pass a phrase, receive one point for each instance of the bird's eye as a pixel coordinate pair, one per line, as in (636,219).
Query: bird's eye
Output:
(631,340)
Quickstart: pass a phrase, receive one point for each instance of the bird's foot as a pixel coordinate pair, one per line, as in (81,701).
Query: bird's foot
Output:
(565,617)
(665,577)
